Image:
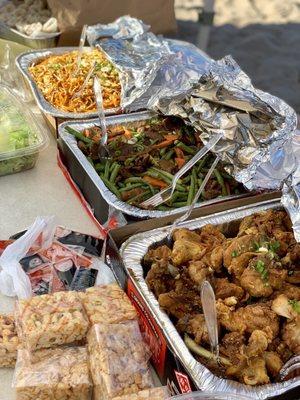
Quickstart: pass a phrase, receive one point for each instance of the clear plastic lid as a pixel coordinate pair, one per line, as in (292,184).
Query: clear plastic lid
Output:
(20,133)
(210,396)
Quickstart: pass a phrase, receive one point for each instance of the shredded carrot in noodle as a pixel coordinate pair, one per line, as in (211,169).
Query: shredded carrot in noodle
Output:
(55,77)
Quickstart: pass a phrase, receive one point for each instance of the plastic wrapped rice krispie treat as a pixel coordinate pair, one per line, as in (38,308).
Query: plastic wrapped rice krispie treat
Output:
(56,374)
(118,360)
(8,341)
(107,304)
(159,393)
(51,320)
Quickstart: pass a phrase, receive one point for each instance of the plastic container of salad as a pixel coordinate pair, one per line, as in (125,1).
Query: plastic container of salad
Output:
(21,137)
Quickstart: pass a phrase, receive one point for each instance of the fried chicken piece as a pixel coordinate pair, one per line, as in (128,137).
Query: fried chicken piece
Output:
(291,334)
(231,346)
(211,236)
(186,234)
(251,372)
(281,306)
(249,318)
(292,263)
(239,252)
(224,289)
(198,272)
(292,292)
(262,283)
(160,253)
(195,326)
(159,278)
(273,363)
(216,258)
(183,300)
(185,250)
(258,343)
(280,347)
(265,223)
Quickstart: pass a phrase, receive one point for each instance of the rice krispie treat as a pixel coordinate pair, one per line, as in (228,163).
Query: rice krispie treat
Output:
(51,320)
(56,374)
(159,393)
(8,341)
(118,360)
(107,304)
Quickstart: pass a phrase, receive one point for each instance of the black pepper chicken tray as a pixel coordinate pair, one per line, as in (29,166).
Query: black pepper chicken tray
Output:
(252,260)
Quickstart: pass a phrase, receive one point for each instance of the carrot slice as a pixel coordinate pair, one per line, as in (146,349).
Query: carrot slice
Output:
(180,162)
(154,182)
(171,137)
(127,134)
(179,152)
(163,144)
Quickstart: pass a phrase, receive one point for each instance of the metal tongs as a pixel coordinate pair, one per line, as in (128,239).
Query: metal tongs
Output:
(165,194)
(103,150)
(80,48)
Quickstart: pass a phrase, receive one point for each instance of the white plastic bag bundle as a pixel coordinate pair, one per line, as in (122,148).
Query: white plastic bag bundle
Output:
(13,279)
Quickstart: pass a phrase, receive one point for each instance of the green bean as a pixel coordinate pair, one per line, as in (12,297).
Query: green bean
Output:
(186,179)
(179,204)
(79,135)
(111,186)
(114,173)
(162,151)
(186,148)
(163,208)
(111,168)
(129,187)
(199,184)
(121,184)
(99,167)
(106,170)
(133,179)
(202,162)
(166,174)
(182,196)
(220,181)
(169,154)
(139,196)
(191,191)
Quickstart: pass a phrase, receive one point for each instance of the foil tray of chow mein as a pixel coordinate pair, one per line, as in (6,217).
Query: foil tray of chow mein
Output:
(56,82)
(249,255)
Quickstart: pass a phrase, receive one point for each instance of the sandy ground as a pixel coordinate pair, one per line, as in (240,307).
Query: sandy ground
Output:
(263,36)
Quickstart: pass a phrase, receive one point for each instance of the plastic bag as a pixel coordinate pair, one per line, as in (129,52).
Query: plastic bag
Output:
(13,279)
(118,360)
(60,373)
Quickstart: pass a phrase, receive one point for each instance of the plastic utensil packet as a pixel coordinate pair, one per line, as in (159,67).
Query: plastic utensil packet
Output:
(51,320)
(13,279)
(107,305)
(8,341)
(118,360)
(210,396)
(60,373)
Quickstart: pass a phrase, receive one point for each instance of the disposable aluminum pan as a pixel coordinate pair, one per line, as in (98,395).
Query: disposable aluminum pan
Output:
(27,59)
(107,195)
(132,253)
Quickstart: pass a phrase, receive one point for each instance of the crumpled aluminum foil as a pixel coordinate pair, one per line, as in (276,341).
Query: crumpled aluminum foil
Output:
(136,53)
(291,190)
(132,253)
(214,96)
(124,27)
(257,128)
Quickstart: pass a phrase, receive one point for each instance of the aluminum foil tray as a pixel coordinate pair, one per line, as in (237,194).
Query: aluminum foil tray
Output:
(25,60)
(132,253)
(107,195)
